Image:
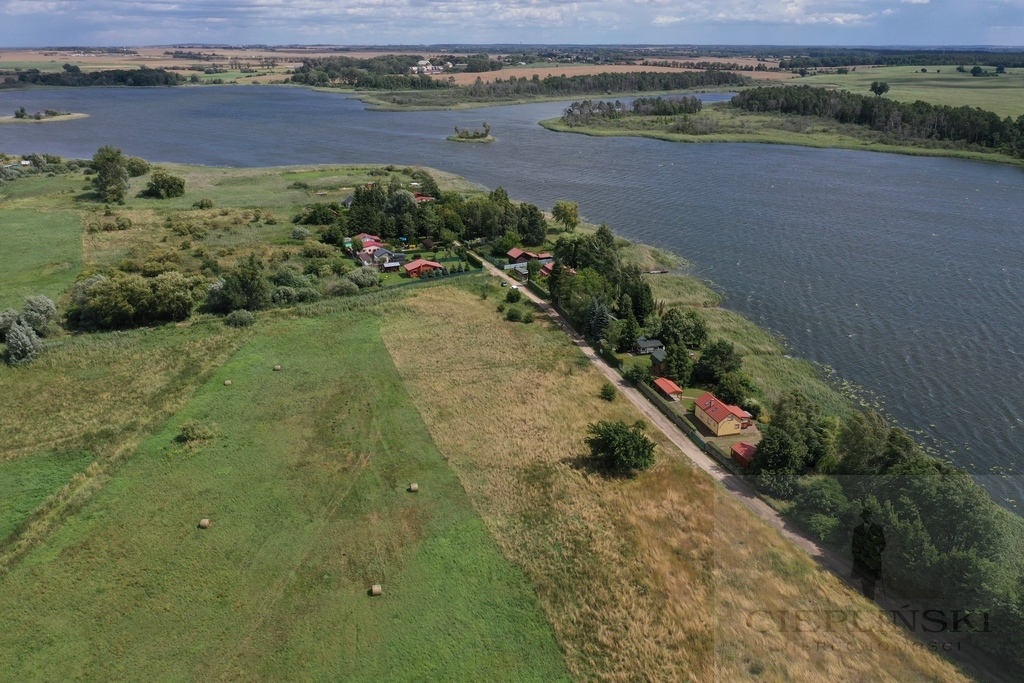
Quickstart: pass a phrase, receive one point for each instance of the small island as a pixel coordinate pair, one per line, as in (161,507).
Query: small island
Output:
(21,115)
(475,135)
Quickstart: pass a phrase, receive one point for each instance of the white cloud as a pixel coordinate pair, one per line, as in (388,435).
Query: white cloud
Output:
(916,2)
(666,21)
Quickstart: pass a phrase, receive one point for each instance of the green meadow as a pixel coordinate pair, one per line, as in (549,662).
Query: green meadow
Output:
(304,477)
(1003,94)
(42,254)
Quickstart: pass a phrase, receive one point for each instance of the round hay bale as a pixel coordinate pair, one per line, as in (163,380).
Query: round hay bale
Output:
(227,383)
(414,487)
(277,368)
(376,589)
(204,523)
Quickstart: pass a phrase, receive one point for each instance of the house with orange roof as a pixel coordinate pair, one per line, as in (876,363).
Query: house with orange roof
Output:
(719,417)
(421,266)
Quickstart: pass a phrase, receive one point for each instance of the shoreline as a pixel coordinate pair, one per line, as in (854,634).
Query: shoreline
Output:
(10,120)
(825,141)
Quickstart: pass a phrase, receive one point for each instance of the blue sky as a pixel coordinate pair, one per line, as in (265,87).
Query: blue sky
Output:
(27,23)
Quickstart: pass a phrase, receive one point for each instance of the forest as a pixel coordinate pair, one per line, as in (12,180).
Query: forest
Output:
(900,120)
(833,57)
(583,113)
(74,76)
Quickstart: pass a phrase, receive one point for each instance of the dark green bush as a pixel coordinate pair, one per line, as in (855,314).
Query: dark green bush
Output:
(239,318)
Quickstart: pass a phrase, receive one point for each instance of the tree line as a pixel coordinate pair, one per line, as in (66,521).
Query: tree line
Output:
(582,113)
(73,76)
(916,120)
(599,84)
(852,57)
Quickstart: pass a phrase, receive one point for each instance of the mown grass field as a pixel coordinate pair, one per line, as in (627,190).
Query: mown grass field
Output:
(305,479)
(1003,94)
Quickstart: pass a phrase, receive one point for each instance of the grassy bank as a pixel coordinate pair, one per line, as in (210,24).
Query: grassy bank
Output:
(734,125)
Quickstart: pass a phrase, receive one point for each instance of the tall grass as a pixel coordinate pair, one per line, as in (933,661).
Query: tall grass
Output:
(651,578)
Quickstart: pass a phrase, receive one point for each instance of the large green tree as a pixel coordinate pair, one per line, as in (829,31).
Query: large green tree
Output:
(111,180)
(619,446)
(719,359)
(678,364)
(567,213)
(683,327)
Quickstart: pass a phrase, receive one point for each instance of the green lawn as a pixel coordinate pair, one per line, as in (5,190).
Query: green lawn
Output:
(1002,94)
(27,482)
(305,481)
(42,254)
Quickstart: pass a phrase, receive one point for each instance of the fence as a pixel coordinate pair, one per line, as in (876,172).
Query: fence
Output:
(715,452)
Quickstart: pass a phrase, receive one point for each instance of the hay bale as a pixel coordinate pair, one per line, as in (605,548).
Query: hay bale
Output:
(227,383)
(376,589)
(277,368)
(414,487)
(204,523)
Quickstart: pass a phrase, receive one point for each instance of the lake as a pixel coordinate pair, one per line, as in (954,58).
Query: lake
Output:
(904,274)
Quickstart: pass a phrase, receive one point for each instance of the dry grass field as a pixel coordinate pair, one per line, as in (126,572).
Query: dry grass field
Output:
(660,577)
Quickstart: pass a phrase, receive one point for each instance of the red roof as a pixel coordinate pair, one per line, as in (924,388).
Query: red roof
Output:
(668,386)
(543,256)
(366,236)
(419,263)
(515,252)
(420,197)
(719,411)
(743,453)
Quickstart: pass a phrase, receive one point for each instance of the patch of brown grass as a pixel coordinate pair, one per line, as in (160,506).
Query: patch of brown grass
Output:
(651,578)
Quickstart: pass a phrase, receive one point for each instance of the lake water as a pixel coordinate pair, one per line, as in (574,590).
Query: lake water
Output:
(904,274)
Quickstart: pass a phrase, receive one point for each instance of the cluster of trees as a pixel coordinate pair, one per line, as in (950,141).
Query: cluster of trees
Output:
(392,211)
(583,113)
(386,72)
(22,331)
(918,120)
(467,134)
(600,84)
(121,299)
(74,76)
(620,447)
(114,170)
(948,543)
(482,62)
(833,57)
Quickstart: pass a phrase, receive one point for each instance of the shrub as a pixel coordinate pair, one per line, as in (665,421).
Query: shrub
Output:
(312,249)
(136,167)
(286,277)
(364,277)
(193,431)
(343,287)
(39,313)
(239,318)
(637,374)
(163,185)
(283,296)
(174,295)
(244,287)
(23,344)
(514,296)
(7,320)
(620,447)
(513,314)
(306,294)
(474,261)
(300,234)
(608,391)
(205,203)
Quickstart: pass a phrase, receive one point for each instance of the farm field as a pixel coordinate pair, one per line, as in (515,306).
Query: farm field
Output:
(1003,94)
(305,477)
(569,70)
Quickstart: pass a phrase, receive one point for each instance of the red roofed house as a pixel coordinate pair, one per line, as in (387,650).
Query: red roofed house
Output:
(550,265)
(421,266)
(672,390)
(722,419)
(364,236)
(517,255)
(743,453)
(421,198)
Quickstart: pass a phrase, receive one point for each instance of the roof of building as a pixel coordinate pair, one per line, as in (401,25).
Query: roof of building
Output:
(515,252)
(667,385)
(658,355)
(419,263)
(717,410)
(645,343)
(367,236)
(744,452)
